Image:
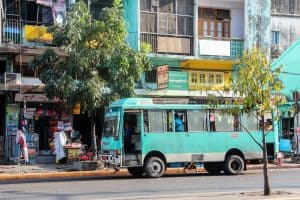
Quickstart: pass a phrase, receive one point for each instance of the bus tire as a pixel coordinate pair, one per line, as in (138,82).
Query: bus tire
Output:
(154,167)
(136,171)
(234,165)
(213,168)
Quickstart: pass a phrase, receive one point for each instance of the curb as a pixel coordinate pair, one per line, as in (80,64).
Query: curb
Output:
(107,173)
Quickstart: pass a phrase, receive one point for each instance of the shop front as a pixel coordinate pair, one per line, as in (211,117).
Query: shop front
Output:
(39,118)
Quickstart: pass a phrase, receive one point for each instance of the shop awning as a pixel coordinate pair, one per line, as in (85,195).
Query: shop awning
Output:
(208,64)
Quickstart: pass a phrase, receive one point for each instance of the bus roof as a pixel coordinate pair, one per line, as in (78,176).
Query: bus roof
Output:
(148,103)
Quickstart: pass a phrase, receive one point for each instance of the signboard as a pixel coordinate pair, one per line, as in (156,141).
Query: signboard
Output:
(44,2)
(178,80)
(214,48)
(59,13)
(162,76)
(33,98)
(76,109)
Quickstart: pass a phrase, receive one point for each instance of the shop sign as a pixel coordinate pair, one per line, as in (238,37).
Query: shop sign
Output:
(44,2)
(33,98)
(178,80)
(162,76)
(76,109)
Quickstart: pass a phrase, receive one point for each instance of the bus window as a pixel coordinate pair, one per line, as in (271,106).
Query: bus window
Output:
(146,121)
(156,121)
(169,120)
(212,121)
(180,121)
(196,120)
(249,122)
(223,121)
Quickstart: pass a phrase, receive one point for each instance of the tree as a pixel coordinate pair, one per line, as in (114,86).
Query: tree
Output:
(260,87)
(100,65)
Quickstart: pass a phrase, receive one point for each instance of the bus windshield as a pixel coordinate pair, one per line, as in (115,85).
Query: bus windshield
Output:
(110,128)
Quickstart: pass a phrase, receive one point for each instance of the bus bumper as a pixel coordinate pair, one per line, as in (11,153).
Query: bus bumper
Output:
(110,157)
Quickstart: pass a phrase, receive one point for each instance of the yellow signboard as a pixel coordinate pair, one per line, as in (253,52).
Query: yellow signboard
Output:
(76,109)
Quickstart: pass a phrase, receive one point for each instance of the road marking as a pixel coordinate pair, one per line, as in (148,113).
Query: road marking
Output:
(237,194)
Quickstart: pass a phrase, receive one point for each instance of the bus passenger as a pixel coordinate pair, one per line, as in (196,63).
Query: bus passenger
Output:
(178,123)
(128,131)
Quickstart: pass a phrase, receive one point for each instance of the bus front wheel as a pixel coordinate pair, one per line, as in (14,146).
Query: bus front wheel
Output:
(234,165)
(154,167)
(136,171)
(213,168)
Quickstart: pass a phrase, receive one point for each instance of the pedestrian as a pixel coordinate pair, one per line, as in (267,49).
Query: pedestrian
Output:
(21,140)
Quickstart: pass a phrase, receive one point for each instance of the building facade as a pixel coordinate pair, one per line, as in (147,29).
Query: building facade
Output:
(285,20)
(195,43)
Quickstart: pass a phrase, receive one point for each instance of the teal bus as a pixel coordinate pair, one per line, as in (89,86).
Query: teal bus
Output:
(144,137)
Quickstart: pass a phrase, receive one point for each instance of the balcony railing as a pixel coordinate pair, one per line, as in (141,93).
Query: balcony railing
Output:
(16,31)
(12,31)
(168,44)
(220,48)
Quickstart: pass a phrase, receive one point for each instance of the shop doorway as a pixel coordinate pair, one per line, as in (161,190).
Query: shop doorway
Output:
(2,127)
(42,127)
(287,127)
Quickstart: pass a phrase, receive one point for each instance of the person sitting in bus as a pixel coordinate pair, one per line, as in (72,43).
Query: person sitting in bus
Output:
(178,123)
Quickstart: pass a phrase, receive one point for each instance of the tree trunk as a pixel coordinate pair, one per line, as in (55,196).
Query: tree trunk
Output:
(265,158)
(94,138)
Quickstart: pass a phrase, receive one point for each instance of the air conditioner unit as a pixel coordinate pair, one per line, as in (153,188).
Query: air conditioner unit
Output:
(12,78)
(276,47)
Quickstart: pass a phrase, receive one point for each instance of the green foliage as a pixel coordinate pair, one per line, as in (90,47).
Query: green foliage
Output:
(100,65)
(257,83)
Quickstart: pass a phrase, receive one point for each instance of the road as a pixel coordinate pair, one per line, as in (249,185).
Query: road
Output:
(190,186)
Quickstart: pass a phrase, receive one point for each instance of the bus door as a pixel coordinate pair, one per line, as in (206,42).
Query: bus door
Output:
(132,145)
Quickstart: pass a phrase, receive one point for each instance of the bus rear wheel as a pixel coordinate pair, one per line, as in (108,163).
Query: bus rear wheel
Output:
(154,167)
(213,168)
(136,171)
(234,165)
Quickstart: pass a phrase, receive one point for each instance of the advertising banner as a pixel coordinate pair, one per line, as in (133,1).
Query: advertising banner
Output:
(59,13)
(178,80)
(44,2)
(162,76)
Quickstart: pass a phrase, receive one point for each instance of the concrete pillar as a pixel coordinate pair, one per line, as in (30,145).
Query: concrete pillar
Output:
(195,28)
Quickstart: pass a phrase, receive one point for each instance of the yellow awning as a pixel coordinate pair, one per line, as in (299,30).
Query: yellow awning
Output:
(207,64)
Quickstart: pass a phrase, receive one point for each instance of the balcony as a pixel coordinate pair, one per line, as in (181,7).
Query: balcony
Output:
(220,48)
(168,44)
(18,32)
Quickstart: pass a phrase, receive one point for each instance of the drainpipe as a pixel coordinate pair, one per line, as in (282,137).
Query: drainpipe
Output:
(195,24)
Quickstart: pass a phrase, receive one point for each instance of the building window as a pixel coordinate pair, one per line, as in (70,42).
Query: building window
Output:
(219,79)
(275,37)
(172,17)
(150,76)
(211,79)
(214,22)
(194,78)
(202,78)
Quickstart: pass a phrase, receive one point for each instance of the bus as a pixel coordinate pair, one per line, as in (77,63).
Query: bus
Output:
(207,136)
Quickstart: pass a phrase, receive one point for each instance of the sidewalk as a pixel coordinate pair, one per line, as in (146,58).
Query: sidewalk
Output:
(59,172)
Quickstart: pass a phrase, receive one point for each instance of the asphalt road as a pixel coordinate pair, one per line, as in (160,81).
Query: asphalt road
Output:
(191,186)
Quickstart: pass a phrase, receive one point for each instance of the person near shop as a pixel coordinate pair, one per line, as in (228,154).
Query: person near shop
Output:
(178,123)
(21,140)
(60,140)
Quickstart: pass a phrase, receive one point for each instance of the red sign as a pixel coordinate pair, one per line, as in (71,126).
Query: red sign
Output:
(162,76)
